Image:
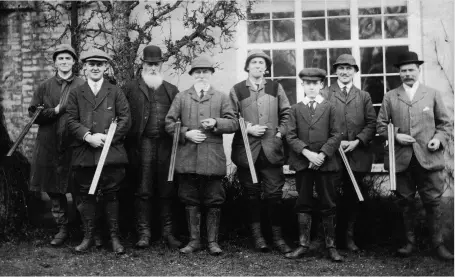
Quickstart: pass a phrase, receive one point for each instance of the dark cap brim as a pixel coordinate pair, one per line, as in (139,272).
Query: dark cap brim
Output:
(152,60)
(193,69)
(100,59)
(408,62)
(312,78)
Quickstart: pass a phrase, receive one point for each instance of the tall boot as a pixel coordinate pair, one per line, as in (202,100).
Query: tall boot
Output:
(87,209)
(97,237)
(166,224)
(349,235)
(193,216)
(59,212)
(143,212)
(433,220)
(274,209)
(304,220)
(112,212)
(213,225)
(408,218)
(328,222)
(255,225)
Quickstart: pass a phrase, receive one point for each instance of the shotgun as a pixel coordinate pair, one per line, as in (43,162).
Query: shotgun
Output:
(351,175)
(391,140)
(27,127)
(100,165)
(175,144)
(249,156)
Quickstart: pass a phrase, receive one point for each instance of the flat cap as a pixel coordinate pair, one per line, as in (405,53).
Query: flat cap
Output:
(202,62)
(345,59)
(95,54)
(258,54)
(312,74)
(64,48)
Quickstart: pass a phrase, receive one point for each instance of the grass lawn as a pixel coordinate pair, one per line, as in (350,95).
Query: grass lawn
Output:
(37,258)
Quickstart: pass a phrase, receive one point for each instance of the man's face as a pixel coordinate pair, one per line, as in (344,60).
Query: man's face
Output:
(257,67)
(152,68)
(64,62)
(95,69)
(345,73)
(312,88)
(409,74)
(202,75)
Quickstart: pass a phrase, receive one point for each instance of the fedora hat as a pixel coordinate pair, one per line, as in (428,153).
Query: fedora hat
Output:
(152,54)
(202,62)
(407,58)
(258,54)
(64,48)
(345,59)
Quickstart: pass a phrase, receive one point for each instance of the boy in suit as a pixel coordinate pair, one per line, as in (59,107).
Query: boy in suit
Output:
(313,139)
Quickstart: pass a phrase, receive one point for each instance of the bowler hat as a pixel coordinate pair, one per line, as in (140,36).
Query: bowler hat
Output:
(95,54)
(407,58)
(64,48)
(202,62)
(152,54)
(345,59)
(258,54)
(312,74)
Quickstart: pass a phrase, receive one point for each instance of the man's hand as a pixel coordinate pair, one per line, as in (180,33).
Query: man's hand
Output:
(278,135)
(434,144)
(208,123)
(57,109)
(96,140)
(404,139)
(313,157)
(195,136)
(256,130)
(350,145)
(312,166)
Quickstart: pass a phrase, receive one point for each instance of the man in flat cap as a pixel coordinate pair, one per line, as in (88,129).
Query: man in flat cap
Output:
(50,171)
(92,107)
(314,138)
(422,127)
(265,108)
(356,120)
(205,116)
(149,146)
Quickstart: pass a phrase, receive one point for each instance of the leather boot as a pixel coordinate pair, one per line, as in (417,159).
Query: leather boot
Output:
(254,206)
(408,217)
(274,211)
(59,212)
(166,225)
(143,212)
(193,216)
(213,225)
(97,237)
(112,211)
(304,220)
(433,220)
(328,222)
(350,244)
(87,209)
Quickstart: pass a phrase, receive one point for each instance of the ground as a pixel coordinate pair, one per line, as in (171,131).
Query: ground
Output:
(37,258)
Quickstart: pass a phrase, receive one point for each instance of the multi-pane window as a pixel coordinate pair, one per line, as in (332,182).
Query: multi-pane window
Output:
(313,33)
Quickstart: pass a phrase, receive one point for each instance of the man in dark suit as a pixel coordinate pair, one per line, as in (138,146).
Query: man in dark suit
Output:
(356,120)
(149,146)
(422,126)
(313,138)
(91,109)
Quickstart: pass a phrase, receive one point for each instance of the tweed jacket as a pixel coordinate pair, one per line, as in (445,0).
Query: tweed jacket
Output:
(90,113)
(423,118)
(318,133)
(356,119)
(206,158)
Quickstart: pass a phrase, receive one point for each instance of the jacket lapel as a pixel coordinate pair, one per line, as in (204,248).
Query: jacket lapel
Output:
(352,94)
(420,93)
(144,89)
(103,93)
(305,112)
(168,90)
(403,96)
(208,94)
(337,92)
(88,94)
(320,109)
(193,94)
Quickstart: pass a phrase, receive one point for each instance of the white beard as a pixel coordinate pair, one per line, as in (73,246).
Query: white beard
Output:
(152,80)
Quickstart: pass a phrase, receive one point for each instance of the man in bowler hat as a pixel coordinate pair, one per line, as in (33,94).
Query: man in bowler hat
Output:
(149,146)
(422,127)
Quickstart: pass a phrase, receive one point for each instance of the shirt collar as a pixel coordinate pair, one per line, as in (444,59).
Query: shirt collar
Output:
(198,87)
(348,86)
(414,87)
(98,83)
(250,83)
(318,99)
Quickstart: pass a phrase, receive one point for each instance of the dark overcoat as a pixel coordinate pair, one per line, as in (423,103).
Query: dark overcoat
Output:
(206,158)
(50,169)
(90,113)
(318,133)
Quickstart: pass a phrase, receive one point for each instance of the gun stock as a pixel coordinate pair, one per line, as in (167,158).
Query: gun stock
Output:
(351,174)
(175,143)
(27,127)
(249,156)
(104,152)
(391,140)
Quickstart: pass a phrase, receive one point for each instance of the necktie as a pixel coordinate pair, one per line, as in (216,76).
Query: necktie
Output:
(95,88)
(311,105)
(201,95)
(345,91)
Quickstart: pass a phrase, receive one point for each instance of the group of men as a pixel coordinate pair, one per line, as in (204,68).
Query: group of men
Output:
(77,114)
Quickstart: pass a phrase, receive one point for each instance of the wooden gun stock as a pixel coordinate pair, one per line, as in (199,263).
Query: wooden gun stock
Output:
(27,127)
(249,156)
(175,143)
(391,140)
(351,174)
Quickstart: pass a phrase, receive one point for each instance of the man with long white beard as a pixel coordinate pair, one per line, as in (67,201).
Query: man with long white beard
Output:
(149,146)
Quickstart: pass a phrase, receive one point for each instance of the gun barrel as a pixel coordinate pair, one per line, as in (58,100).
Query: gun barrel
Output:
(392,169)
(175,142)
(351,174)
(249,156)
(27,127)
